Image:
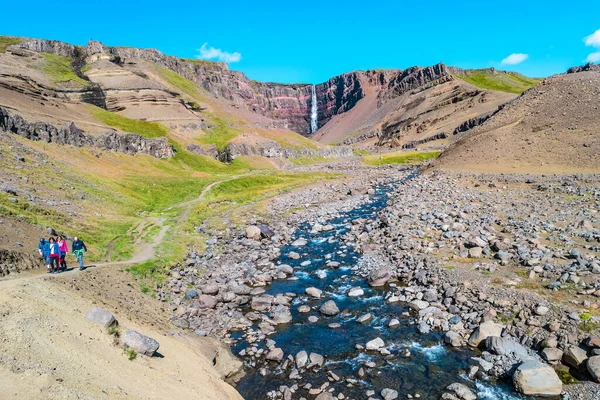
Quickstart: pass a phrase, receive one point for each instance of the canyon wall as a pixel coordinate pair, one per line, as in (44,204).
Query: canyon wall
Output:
(286,102)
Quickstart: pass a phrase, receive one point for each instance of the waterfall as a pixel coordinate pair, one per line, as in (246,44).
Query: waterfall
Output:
(313,111)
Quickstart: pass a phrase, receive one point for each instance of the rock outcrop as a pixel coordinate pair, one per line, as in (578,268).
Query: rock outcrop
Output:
(583,68)
(249,144)
(71,135)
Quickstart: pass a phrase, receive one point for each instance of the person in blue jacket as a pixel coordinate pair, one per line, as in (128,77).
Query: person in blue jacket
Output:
(79,250)
(44,250)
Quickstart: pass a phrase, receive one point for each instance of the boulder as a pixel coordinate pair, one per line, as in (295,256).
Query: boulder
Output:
(316,359)
(380,276)
(140,343)
(574,356)
(275,354)
(329,308)
(389,394)
(191,294)
(503,346)
(280,314)
(485,330)
(534,378)
(552,354)
(313,292)
(207,301)
(266,231)
(375,344)
(462,391)
(261,303)
(301,359)
(325,396)
(475,252)
(210,288)
(418,305)
(454,339)
(101,317)
(356,292)
(593,367)
(253,232)
(299,242)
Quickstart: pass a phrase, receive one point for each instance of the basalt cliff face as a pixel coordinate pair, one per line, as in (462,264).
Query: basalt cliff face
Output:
(70,134)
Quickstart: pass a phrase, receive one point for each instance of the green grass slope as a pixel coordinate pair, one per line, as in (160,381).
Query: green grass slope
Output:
(501,81)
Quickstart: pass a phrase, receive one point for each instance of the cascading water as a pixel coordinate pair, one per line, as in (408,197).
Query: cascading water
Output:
(313,111)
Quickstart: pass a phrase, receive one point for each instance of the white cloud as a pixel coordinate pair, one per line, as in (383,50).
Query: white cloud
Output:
(594,57)
(593,40)
(515,58)
(210,53)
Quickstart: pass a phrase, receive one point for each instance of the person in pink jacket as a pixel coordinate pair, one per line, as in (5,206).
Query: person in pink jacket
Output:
(64,250)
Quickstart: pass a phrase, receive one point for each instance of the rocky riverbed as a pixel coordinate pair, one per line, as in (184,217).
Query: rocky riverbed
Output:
(398,285)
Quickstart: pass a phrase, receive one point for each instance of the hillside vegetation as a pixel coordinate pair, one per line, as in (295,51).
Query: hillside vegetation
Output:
(498,80)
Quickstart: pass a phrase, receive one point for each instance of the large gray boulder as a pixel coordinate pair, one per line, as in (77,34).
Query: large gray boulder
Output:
(380,276)
(462,391)
(301,359)
(101,317)
(140,343)
(329,308)
(574,356)
(253,232)
(593,367)
(534,378)
(275,354)
(503,346)
(485,330)
(313,292)
(325,396)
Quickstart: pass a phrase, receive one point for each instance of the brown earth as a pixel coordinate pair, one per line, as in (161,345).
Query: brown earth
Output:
(49,349)
(551,128)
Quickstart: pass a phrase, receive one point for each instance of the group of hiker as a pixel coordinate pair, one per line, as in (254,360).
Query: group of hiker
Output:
(54,252)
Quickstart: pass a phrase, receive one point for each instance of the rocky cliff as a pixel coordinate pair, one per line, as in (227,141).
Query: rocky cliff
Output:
(289,105)
(287,102)
(71,135)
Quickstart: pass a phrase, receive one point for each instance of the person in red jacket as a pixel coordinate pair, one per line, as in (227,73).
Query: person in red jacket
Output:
(64,250)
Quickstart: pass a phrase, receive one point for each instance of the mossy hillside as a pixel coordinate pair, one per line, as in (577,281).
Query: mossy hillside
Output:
(184,85)
(111,193)
(145,128)
(400,157)
(500,81)
(59,70)
(6,41)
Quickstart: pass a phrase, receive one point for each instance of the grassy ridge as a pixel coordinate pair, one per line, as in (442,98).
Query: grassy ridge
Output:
(400,158)
(59,69)
(6,41)
(500,81)
(144,128)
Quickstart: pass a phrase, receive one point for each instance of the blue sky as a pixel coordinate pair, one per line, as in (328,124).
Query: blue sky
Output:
(311,41)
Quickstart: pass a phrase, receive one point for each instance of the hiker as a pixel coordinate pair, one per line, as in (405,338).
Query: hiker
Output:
(44,250)
(79,249)
(64,250)
(54,255)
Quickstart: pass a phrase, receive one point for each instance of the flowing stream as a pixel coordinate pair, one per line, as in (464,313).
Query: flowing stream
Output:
(429,369)
(313,111)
